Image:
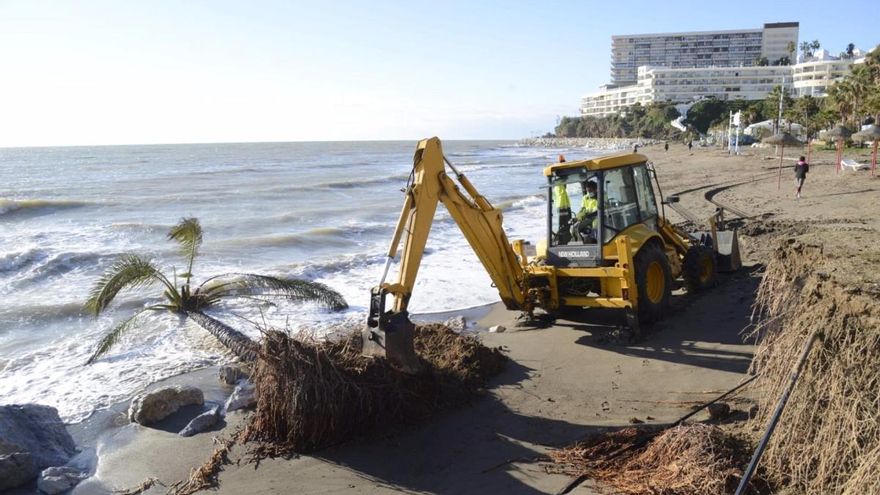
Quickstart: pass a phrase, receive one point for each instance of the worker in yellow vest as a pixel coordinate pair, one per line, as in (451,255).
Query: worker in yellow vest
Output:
(587,223)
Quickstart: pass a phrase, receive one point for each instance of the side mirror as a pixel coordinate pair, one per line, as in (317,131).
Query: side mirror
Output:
(672,199)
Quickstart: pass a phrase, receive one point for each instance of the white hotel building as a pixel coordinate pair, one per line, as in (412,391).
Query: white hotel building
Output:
(673,84)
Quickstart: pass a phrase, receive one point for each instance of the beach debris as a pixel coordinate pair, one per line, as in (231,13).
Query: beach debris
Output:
(828,439)
(59,479)
(151,407)
(202,422)
(312,394)
(635,421)
(37,430)
(456,323)
(497,329)
(230,374)
(16,469)
(141,488)
(205,476)
(718,410)
(243,397)
(694,459)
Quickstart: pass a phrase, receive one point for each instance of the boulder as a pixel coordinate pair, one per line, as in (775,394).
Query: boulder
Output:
(201,422)
(55,480)
(16,469)
(243,397)
(497,329)
(457,323)
(231,374)
(150,407)
(719,410)
(37,430)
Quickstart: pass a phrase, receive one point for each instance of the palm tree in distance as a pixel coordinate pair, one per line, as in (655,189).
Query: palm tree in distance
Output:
(131,271)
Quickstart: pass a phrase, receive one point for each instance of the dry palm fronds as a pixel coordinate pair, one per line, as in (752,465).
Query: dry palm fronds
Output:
(314,394)
(828,439)
(693,459)
(206,475)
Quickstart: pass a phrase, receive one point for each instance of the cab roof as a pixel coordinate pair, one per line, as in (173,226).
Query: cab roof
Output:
(599,163)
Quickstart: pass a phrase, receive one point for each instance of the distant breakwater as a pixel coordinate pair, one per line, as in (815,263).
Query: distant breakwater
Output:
(592,143)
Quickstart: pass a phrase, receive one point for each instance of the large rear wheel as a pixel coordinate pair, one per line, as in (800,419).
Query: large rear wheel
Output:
(654,281)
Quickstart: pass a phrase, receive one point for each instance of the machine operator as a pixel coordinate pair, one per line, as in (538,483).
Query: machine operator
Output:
(587,221)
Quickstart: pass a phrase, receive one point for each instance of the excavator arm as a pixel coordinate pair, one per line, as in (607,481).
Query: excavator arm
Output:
(389,333)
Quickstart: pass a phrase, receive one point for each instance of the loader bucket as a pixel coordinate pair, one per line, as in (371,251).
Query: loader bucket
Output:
(726,246)
(390,335)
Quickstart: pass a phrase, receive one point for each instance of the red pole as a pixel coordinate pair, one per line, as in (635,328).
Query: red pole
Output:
(781,154)
(874,158)
(839,151)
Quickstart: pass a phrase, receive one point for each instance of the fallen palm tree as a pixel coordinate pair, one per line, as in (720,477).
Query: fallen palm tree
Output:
(828,437)
(316,393)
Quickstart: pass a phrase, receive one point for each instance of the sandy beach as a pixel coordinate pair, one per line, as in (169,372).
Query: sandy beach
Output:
(564,382)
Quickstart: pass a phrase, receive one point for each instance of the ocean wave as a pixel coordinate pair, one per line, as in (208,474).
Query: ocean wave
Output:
(10,207)
(319,236)
(36,265)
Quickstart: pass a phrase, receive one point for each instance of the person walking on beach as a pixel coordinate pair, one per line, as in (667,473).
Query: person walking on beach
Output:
(690,145)
(800,174)
(635,147)
(666,146)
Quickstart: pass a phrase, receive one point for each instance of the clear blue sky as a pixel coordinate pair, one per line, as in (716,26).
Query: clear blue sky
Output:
(113,72)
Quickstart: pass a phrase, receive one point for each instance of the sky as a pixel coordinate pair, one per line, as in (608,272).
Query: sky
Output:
(139,72)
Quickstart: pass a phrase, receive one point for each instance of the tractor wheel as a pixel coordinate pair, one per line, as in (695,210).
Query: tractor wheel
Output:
(699,268)
(654,282)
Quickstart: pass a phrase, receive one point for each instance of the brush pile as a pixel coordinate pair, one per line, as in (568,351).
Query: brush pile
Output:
(828,439)
(313,394)
(695,459)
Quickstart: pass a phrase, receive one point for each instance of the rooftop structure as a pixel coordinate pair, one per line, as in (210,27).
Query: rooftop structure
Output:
(729,48)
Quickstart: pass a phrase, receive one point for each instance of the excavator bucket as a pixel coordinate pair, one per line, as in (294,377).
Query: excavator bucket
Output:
(390,334)
(726,246)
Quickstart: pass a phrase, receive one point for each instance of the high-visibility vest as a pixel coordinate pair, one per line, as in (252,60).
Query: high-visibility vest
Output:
(588,205)
(560,197)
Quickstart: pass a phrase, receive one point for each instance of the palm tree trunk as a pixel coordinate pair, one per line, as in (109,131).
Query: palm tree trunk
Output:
(240,344)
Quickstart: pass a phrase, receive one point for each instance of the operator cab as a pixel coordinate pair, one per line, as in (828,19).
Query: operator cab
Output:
(591,202)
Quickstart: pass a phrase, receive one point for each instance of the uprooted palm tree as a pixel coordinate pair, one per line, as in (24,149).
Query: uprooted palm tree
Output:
(131,271)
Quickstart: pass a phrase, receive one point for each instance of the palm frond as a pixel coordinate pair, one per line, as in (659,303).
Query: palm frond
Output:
(114,334)
(249,284)
(129,271)
(188,234)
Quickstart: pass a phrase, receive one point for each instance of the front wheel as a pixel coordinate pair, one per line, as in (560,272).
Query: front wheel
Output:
(654,282)
(699,269)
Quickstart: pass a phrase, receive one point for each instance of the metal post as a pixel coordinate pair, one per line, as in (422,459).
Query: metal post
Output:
(795,374)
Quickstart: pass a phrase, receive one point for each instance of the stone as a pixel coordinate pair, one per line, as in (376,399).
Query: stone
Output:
(55,480)
(231,374)
(456,323)
(16,469)
(719,410)
(497,329)
(753,411)
(201,422)
(37,430)
(243,397)
(150,407)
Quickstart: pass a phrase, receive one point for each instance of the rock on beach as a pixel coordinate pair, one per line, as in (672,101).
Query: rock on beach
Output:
(202,422)
(55,480)
(37,430)
(151,407)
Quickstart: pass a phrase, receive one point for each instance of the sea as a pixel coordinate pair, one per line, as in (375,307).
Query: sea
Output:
(321,211)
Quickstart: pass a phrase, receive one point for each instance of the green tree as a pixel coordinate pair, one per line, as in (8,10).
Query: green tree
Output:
(771,104)
(806,111)
(761,61)
(131,271)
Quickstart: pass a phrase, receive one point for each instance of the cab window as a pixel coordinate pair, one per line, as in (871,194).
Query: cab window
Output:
(647,203)
(621,201)
(567,199)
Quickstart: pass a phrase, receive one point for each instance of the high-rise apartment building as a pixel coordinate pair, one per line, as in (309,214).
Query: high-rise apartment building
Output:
(730,48)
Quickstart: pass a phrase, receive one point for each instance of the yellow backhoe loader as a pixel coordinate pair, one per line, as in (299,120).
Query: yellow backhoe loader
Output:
(615,249)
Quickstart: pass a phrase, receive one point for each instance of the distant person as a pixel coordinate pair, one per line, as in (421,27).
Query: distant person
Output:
(584,228)
(561,158)
(800,174)
(690,145)
(635,147)
(666,146)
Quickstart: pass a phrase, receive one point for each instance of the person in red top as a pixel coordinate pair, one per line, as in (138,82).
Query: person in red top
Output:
(800,174)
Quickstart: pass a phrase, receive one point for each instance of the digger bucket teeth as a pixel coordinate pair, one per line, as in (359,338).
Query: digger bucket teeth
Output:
(390,335)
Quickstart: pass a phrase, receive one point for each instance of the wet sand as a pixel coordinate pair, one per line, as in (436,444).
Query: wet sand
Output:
(563,382)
